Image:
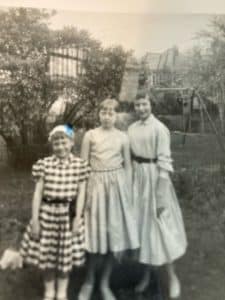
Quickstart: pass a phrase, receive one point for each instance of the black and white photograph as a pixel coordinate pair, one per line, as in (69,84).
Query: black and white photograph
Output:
(112,150)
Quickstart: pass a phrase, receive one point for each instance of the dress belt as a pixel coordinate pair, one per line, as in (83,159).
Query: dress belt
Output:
(106,170)
(142,160)
(58,200)
(71,204)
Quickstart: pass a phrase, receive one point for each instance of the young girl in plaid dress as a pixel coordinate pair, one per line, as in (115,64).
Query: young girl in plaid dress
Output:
(110,224)
(54,241)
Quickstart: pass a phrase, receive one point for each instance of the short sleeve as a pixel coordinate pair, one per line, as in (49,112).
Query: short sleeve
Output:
(163,149)
(38,170)
(84,171)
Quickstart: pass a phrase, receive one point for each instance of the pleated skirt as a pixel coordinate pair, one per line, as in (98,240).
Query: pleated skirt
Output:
(162,239)
(110,224)
(57,248)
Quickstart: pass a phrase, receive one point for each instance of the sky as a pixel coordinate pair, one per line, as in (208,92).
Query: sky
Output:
(128,6)
(140,32)
(141,25)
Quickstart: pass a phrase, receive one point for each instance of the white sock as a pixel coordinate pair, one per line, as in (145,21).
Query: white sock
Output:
(62,284)
(49,288)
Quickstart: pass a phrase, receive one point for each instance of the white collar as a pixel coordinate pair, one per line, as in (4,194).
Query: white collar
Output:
(57,160)
(147,121)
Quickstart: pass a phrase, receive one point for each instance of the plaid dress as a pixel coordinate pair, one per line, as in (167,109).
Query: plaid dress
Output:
(57,247)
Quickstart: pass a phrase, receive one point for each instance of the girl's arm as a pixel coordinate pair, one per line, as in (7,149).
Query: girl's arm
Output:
(36,203)
(38,191)
(81,199)
(165,166)
(85,153)
(127,161)
(85,149)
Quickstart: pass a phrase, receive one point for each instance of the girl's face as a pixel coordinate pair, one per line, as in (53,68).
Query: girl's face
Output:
(107,117)
(61,145)
(143,108)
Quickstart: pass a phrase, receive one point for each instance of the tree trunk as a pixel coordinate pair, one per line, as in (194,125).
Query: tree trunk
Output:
(221,106)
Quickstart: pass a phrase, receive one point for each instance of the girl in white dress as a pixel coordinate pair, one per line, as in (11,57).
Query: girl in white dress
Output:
(110,224)
(160,222)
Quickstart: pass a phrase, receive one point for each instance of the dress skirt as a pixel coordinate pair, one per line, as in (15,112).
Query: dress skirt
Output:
(109,219)
(162,238)
(57,248)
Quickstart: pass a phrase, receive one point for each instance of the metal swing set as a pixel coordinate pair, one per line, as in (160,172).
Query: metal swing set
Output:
(187,96)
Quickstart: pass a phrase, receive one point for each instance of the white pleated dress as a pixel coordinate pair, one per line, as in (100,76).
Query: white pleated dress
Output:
(162,239)
(109,216)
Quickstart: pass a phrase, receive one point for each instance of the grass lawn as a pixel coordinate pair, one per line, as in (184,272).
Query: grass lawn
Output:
(202,200)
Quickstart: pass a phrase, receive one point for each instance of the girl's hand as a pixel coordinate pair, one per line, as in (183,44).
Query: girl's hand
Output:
(35,229)
(76,224)
(160,210)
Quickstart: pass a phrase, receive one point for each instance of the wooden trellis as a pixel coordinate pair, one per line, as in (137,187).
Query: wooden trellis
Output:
(67,62)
